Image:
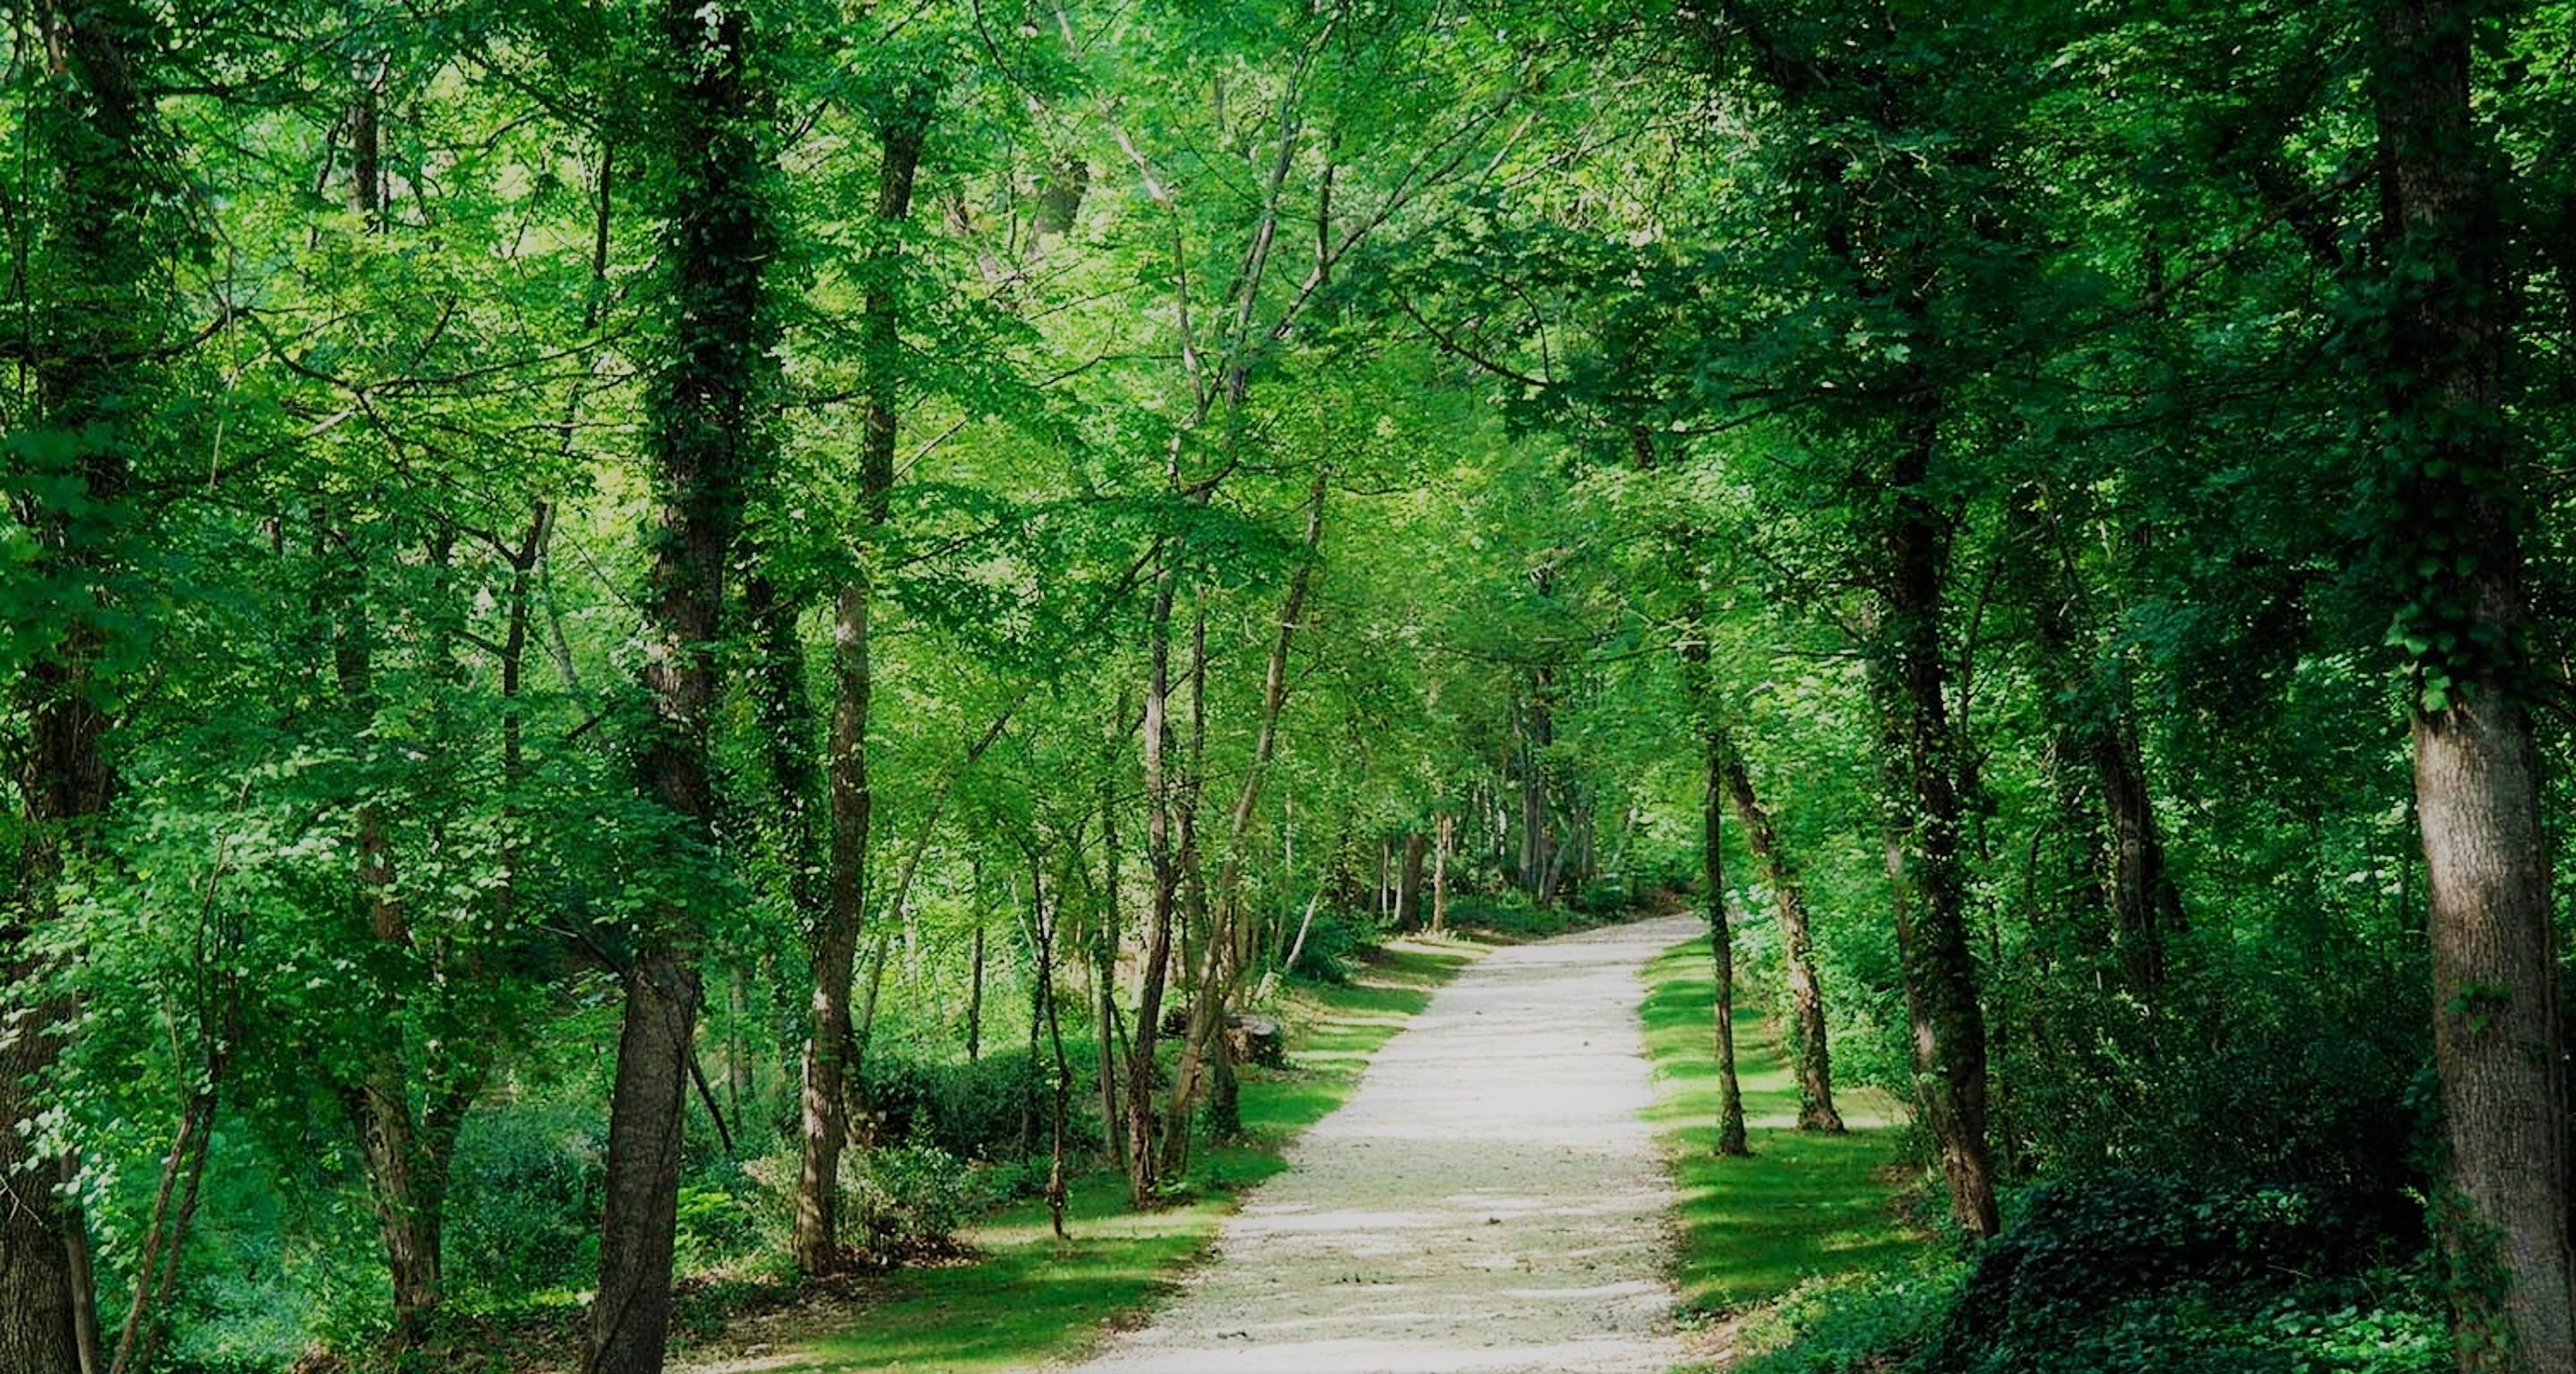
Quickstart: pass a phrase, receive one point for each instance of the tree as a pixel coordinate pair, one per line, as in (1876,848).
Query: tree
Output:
(709,413)
(104,332)
(2454,535)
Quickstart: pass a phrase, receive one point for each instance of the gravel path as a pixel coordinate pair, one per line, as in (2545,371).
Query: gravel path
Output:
(1489,1201)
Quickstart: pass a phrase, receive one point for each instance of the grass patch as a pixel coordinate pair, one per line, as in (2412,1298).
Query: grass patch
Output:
(1805,1206)
(1028,1297)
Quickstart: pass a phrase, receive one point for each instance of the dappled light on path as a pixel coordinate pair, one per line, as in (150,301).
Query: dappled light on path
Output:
(1489,1201)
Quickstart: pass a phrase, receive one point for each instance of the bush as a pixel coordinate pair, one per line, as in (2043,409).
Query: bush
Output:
(1606,897)
(524,1211)
(722,1211)
(2130,1274)
(977,1110)
(2079,1249)
(1336,942)
(909,1200)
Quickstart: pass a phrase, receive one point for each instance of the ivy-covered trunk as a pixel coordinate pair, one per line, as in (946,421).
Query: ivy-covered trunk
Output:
(90,357)
(1923,755)
(2456,512)
(707,421)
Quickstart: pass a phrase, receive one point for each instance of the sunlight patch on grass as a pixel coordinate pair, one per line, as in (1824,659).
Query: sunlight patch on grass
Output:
(1804,1205)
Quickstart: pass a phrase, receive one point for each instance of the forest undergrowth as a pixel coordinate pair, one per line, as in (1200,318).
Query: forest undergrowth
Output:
(1826,1254)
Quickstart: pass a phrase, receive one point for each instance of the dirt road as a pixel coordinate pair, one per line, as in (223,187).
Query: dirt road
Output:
(1488,1201)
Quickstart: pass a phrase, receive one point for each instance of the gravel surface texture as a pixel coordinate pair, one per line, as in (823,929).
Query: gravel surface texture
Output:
(1489,1201)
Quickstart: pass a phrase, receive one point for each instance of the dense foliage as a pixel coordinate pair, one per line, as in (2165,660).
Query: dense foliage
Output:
(754,618)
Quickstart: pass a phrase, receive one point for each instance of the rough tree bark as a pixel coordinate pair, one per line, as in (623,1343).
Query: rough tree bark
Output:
(706,424)
(2498,1033)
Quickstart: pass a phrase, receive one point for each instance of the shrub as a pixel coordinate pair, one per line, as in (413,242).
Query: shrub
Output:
(1336,942)
(722,1210)
(2131,1274)
(2079,1248)
(909,1200)
(1605,897)
(523,1215)
(979,1110)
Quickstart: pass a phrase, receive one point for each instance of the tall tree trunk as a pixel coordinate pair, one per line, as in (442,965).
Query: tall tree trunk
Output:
(99,138)
(1716,752)
(1807,1049)
(2455,531)
(1142,1151)
(1448,840)
(1721,950)
(1105,940)
(379,1100)
(1046,919)
(825,1125)
(2119,845)
(1408,881)
(1379,904)
(975,998)
(1227,941)
(1910,681)
(708,426)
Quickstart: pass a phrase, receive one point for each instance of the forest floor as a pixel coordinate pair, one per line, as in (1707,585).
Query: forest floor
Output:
(1491,1198)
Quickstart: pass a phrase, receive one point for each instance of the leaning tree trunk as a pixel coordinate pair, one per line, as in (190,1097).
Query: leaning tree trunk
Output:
(87,361)
(2455,517)
(1229,941)
(707,425)
(2121,851)
(1716,750)
(1807,1049)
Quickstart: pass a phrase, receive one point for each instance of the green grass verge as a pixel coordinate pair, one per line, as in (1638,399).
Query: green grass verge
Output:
(1028,1297)
(1804,1205)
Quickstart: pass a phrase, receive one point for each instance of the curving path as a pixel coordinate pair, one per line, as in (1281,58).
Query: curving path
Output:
(1489,1201)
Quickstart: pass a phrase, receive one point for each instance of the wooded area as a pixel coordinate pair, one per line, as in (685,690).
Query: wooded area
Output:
(654,639)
